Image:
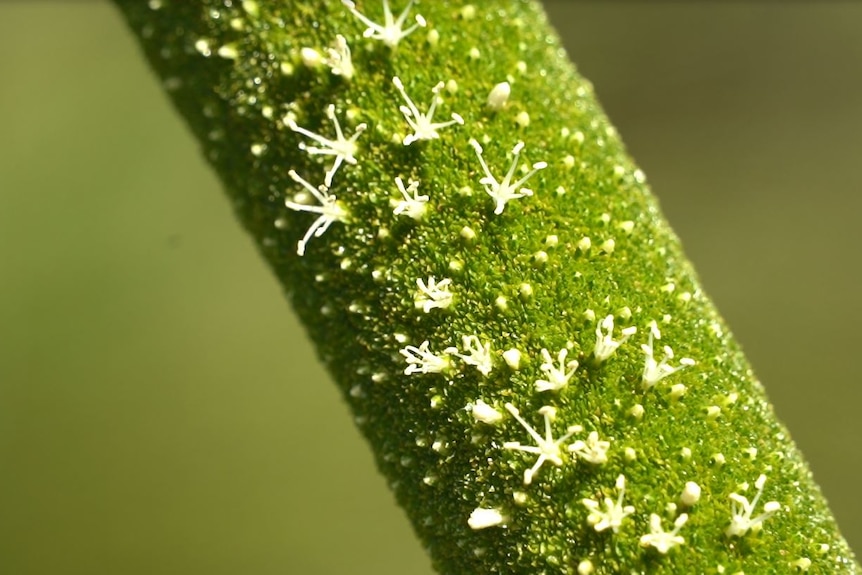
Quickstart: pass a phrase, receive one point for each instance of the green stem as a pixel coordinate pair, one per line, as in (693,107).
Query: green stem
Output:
(498,297)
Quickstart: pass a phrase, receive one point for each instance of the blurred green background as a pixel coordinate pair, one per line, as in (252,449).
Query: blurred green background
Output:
(160,410)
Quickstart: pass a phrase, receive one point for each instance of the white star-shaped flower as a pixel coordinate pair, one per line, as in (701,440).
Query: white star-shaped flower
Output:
(413,205)
(614,512)
(476,353)
(741,521)
(593,450)
(338,58)
(659,539)
(547,448)
(558,377)
(504,191)
(391,31)
(330,211)
(655,371)
(605,343)
(422,360)
(344,149)
(423,126)
(434,294)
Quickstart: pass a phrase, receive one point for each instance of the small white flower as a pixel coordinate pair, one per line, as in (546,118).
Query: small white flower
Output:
(504,191)
(433,295)
(593,450)
(512,357)
(338,58)
(485,413)
(655,371)
(477,354)
(605,344)
(413,205)
(690,494)
(330,211)
(421,360)
(342,148)
(310,57)
(482,518)
(498,96)
(658,538)
(547,448)
(741,521)
(391,32)
(423,126)
(614,513)
(558,377)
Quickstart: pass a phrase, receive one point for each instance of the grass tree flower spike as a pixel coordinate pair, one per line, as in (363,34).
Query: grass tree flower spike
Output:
(505,368)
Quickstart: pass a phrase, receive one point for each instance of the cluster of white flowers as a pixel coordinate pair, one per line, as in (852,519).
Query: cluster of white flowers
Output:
(343,149)
(603,514)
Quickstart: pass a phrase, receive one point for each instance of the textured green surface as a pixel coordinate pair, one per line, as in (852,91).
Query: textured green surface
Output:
(126,329)
(523,279)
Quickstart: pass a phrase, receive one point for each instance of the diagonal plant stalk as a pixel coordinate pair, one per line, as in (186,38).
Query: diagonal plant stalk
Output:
(492,286)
